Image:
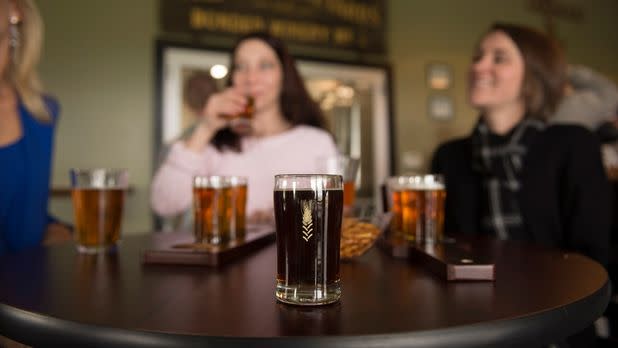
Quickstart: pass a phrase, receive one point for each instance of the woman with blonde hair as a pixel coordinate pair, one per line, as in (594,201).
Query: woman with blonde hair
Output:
(27,123)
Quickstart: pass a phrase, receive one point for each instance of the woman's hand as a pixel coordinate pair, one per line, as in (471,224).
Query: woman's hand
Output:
(57,233)
(219,110)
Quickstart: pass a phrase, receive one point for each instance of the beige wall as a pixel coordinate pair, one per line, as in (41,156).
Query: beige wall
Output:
(99,62)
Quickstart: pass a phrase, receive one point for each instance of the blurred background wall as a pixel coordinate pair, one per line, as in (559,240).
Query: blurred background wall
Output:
(98,61)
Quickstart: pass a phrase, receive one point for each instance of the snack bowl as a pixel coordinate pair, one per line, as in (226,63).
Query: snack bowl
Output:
(359,235)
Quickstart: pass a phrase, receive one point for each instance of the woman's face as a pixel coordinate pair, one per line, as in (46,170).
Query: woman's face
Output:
(258,73)
(497,72)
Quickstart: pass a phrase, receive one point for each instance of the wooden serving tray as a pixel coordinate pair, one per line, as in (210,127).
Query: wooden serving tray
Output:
(179,248)
(451,260)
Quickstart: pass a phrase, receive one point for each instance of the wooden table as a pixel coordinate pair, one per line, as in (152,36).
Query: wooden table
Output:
(58,297)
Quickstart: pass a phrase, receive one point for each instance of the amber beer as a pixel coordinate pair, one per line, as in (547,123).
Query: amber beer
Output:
(219,208)
(308,214)
(98,202)
(418,208)
(239,207)
(347,167)
(241,122)
(98,216)
(396,220)
(349,193)
(211,200)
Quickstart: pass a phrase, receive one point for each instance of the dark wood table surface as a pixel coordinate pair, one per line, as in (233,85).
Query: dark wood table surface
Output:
(58,297)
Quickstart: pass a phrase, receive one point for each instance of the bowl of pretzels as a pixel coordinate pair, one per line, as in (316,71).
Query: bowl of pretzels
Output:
(359,235)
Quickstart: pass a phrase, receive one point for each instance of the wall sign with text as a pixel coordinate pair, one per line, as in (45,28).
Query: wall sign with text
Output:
(346,24)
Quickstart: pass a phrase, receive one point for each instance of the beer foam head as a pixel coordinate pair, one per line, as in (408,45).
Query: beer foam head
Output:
(315,182)
(417,182)
(99,178)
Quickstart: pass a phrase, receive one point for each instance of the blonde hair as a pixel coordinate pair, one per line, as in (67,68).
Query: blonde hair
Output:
(23,67)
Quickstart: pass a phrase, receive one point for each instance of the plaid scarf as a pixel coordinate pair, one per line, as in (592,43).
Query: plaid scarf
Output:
(499,160)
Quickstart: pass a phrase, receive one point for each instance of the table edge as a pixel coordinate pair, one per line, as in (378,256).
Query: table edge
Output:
(542,328)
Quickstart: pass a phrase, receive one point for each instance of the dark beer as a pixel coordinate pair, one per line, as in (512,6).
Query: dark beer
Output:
(98,217)
(308,226)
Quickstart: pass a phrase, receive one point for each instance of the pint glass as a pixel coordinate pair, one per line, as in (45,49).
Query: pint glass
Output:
(98,201)
(219,204)
(418,207)
(308,213)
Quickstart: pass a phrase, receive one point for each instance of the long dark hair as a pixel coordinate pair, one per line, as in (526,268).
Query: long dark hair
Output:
(296,104)
(545,68)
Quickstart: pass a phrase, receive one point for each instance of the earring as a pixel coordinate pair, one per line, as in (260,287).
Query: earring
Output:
(14,36)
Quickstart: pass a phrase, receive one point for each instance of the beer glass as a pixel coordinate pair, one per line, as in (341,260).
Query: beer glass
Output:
(238,205)
(418,207)
(308,213)
(211,202)
(241,123)
(98,200)
(347,167)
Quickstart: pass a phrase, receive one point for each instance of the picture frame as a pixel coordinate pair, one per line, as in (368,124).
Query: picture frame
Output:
(173,60)
(439,76)
(440,107)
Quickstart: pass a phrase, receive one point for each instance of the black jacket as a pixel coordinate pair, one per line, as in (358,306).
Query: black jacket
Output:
(565,196)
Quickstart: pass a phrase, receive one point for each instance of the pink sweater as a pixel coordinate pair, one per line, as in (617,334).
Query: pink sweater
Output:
(295,151)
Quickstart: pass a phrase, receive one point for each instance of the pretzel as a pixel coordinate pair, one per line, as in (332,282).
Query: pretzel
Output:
(356,237)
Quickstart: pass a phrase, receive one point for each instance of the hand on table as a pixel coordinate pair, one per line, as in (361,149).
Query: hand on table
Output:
(57,233)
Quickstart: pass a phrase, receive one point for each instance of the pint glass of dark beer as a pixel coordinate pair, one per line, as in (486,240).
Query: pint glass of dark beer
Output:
(308,213)
(98,202)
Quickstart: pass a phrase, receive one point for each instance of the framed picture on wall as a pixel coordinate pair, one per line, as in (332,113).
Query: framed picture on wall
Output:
(175,65)
(354,98)
(440,107)
(439,76)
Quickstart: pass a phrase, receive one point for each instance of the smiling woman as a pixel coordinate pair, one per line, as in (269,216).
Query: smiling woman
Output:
(515,177)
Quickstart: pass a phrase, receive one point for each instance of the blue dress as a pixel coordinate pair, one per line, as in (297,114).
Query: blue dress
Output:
(24,182)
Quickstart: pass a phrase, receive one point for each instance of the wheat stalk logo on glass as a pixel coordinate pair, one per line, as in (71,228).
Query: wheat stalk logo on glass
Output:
(307,231)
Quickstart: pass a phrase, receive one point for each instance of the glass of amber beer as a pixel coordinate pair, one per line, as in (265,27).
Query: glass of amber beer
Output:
(347,167)
(241,122)
(238,205)
(219,204)
(308,213)
(98,201)
(418,207)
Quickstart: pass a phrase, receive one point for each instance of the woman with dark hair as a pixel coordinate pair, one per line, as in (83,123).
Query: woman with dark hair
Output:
(516,177)
(287,131)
